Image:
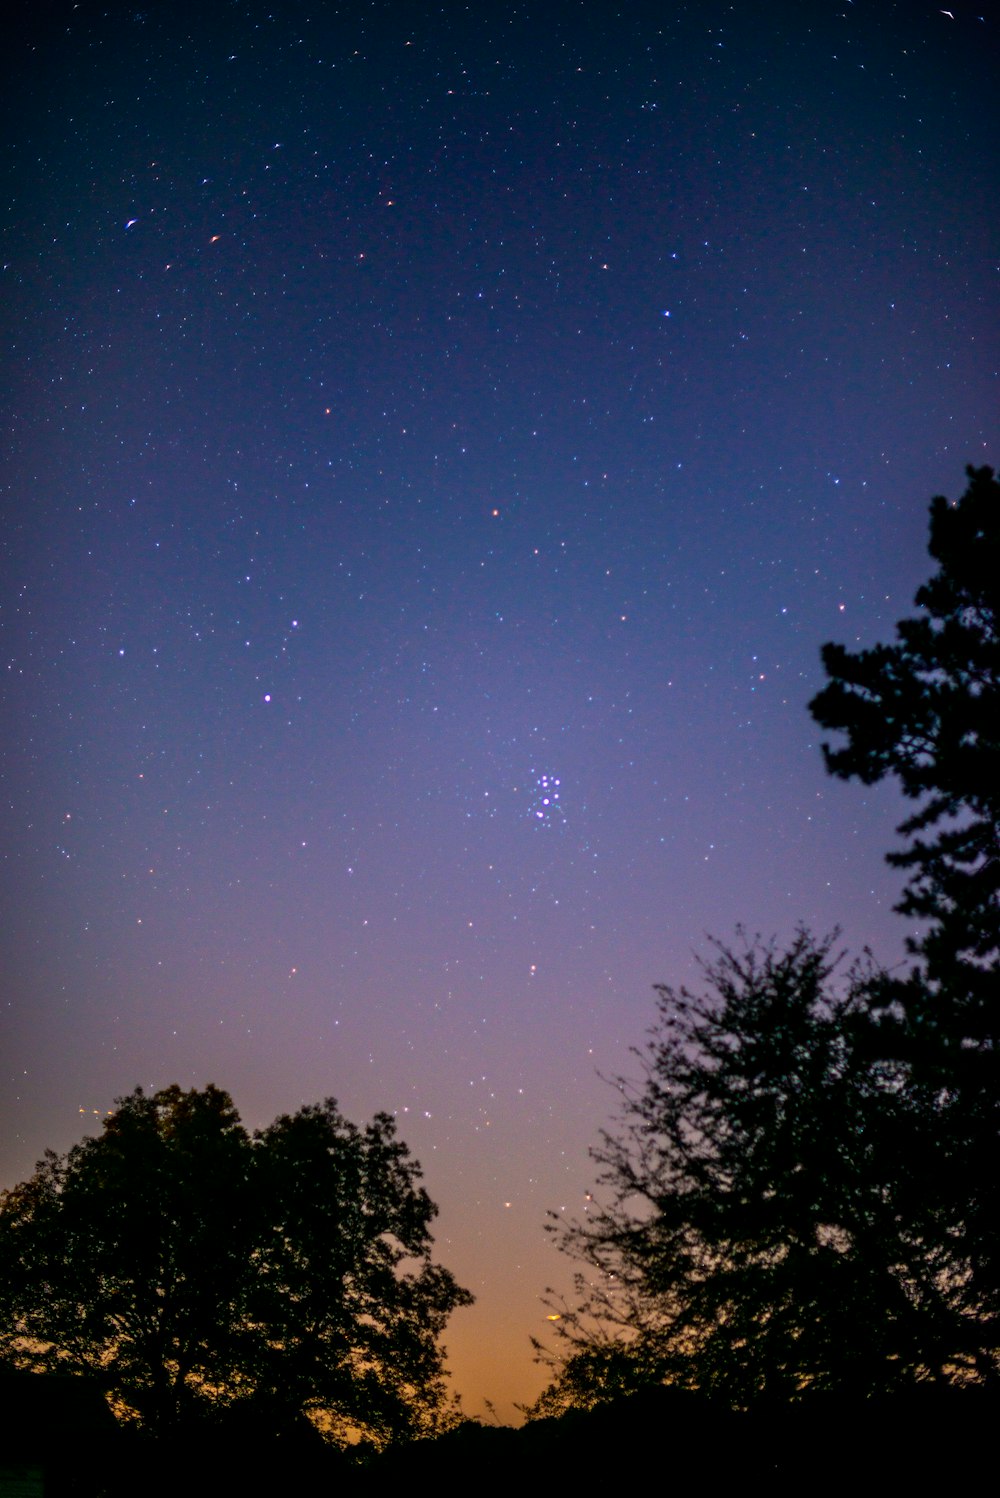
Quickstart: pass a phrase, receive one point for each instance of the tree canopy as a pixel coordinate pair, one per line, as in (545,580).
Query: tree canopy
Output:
(748,1237)
(195,1269)
(926,711)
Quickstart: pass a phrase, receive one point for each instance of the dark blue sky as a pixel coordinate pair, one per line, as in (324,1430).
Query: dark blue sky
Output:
(407,408)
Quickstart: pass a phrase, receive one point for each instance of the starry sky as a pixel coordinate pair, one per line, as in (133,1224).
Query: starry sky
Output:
(437,441)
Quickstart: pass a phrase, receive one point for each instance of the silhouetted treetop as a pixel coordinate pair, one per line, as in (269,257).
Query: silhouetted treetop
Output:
(197,1271)
(753,1234)
(926,711)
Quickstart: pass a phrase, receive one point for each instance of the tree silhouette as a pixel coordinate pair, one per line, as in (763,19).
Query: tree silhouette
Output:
(195,1270)
(926,711)
(350,1331)
(748,1239)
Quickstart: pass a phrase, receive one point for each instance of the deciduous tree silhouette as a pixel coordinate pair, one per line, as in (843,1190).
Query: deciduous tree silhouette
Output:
(194,1269)
(343,1281)
(748,1238)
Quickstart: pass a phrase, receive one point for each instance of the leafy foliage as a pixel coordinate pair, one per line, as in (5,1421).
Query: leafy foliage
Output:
(195,1269)
(347,1329)
(752,1239)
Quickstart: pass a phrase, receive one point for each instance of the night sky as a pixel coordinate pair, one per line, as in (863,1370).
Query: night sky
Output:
(438,441)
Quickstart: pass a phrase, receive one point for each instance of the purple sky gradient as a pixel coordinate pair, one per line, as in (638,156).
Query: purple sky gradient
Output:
(405,404)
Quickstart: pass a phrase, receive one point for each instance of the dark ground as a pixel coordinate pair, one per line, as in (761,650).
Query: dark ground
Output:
(927,1437)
